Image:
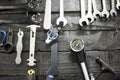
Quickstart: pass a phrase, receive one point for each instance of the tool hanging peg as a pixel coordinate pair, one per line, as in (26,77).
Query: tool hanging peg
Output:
(19,47)
(32,60)
(31,74)
(4,34)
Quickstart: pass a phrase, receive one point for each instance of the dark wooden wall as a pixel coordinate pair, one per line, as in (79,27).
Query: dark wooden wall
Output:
(101,39)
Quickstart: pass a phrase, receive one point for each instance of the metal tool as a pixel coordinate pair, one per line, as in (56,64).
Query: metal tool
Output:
(61,17)
(8,46)
(83,20)
(31,60)
(19,47)
(113,11)
(118,4)
(96,12)
(3,37)
(77,45)
(89,14)
(105,12)
(31,74)
(47,16)
(53,71)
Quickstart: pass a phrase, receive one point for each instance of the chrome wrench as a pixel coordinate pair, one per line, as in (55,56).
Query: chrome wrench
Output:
(118,4)
(96,12)
(61,17)
(113,11)
(105,12)
(83,20)
(47,16)
(31,60)
(19,47)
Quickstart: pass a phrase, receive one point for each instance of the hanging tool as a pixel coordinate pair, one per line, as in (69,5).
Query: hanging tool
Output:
(53,71)
(32,60)
(77,45)
(8,46)
(19,47)
(118,4)
(113,11)
(47,17)
(31,74)
(3,37)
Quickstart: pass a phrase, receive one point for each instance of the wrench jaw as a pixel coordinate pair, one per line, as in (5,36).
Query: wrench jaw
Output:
(97,14)
(83,22)
(118,6)
(90,18)
(64,20)
(105,14)
(31,62)
(113,13)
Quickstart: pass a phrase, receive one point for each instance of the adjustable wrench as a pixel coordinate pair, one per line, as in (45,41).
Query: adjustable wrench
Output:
(118,4)
(96,12)
(19,47)
(83,20)
(47,16)
(105,12)
(113,11)
(61,17)
(89,14)
(31,60)
(31,74)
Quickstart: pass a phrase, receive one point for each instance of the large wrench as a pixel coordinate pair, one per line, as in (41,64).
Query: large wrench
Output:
(105,12)
(118,4)
(96,12)
(31,60)
(61,17)
(89,14)
(19,47)
(83,20)
(47,17)
(113,11)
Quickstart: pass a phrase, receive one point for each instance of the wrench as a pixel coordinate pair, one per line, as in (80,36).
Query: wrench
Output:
(31,60)
(105,12)
(61,17)
(96,12)
(47,17)
(89,14)
(19,47)
(118,4)
(83,20)
(113,11)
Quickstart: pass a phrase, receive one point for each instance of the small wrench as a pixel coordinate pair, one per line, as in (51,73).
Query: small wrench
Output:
(113,11)
(96,12)
(19,47)
(118,4)
(31,74)
(105,12)
(61,17)
(89,14)
(83,20)
(31,60)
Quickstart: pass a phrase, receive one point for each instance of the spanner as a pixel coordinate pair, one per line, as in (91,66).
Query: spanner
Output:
(118,4)
(19,47)
(83,20)
(105,12)
(113,11)
(89,14)
(31,60)
(96,12)
(61,17)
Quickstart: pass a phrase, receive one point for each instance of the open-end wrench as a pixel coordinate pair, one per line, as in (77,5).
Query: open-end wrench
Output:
(118,4)
(31,60)
(31,74)
(61,17)
(83,20)
(113,11)
(96,12)
(105,12)
(89,14)
(47,16)
(19,47)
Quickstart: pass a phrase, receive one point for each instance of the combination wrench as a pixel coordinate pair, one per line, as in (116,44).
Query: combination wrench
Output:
(32,60)
(61,18)
(89,14)
(96,12)
(105,12)
(118,4)
(113,11)
(19,47)
(83,20)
